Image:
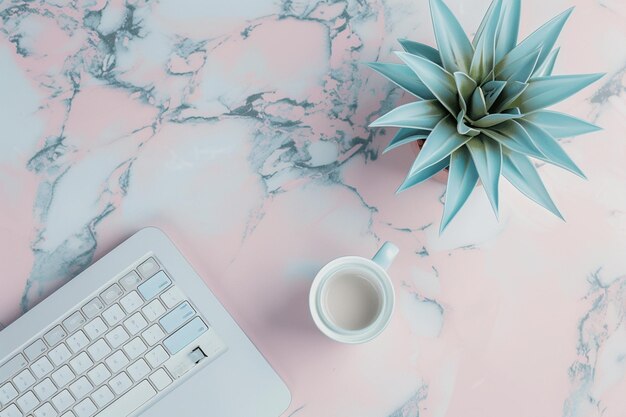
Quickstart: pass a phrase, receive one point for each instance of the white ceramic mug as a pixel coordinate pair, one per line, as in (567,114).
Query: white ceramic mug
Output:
(373,270)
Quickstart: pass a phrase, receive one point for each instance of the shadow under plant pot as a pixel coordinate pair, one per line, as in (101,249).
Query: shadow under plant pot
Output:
(441,176)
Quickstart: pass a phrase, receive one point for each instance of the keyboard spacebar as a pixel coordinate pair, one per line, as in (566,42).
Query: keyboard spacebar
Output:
(130,401)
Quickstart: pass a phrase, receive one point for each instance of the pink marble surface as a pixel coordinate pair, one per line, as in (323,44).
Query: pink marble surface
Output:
(240,129)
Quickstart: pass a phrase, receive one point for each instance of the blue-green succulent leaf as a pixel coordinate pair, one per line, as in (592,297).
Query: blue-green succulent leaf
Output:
(543,39)
(521,172)
(439,81)
(483,60)
(508,28)
(402,76)
(495,119)
(506,39)
(513,136)
(511,91)
(512,110)
(405,135)
(560,125)
(417,115)
(465,86)
(455,49)
(487,156)
(546,91)
(463,128)
(477,107)
(493,12)
(492,91)
(461,182)
(416,48)
(519,70)
(442,141)
(548,146)
(416,177)
(548,65)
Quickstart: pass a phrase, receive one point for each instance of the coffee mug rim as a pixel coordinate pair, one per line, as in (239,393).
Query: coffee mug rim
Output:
(352,336)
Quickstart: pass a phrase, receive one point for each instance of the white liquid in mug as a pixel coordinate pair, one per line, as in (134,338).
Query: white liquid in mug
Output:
(351,300)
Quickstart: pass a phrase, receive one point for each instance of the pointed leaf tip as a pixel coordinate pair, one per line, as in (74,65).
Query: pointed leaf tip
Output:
(462,180)
(483,60)
(420,49)
(416,115)
(406,135)
(402,76)
(546,91)
(521,172)
(549,147)
(560,125)
(455,49)
(543,38)
(417,177)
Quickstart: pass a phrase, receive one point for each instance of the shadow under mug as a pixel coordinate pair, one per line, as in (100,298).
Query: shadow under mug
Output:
(375,271)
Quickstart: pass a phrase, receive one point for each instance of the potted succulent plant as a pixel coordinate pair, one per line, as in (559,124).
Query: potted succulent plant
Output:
(480,109)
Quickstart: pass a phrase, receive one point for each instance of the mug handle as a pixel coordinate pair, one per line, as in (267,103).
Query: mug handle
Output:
(386,254)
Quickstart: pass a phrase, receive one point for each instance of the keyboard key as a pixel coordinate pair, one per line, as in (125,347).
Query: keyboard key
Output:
(80,387)
(177,317)
(99,350)
(45,410)
(138,370)
(102,396)
(154,285)
(117,361)
(77,341)
(7,393)
(59,354)
(153,334)
(148,268)
(11,411)
(113,314)
(185,335)
(85,408)
(135,323)
(23,380)
(74,321)
(62,376)
(63,400)
(55,335)
(135,348)
(93,308)
(120,383)
(69,414)
(42,367)
(157,356)
(130,280)
(160,379)
(111,294)
(154,310)
(129,402)
(117,336)
(95,328)
(99,374)
(131,302)
(45,389)
(27,401)
(11,367)
(35,349)
(81,363)
(172,297)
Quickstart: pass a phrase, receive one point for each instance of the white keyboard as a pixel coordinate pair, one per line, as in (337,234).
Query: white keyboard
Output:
(125,346)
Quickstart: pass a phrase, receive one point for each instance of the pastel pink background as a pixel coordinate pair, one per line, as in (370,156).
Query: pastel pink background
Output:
(241,131)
